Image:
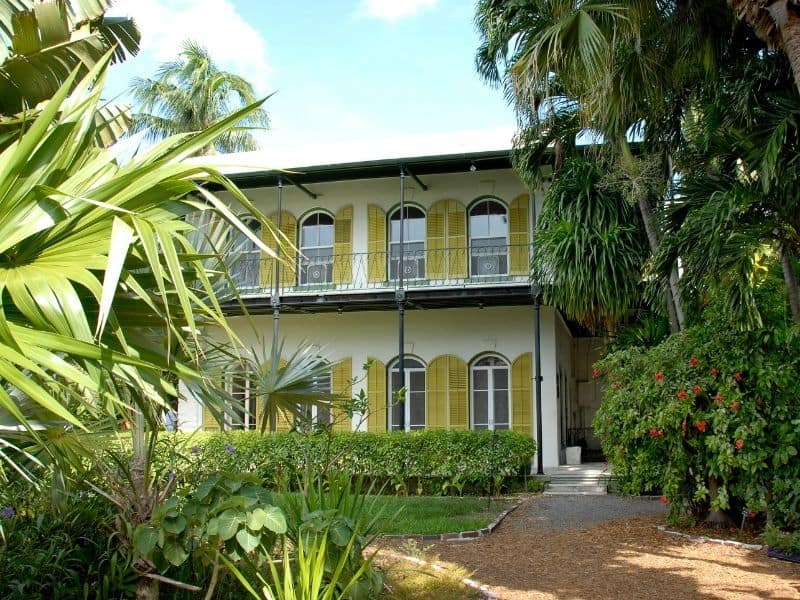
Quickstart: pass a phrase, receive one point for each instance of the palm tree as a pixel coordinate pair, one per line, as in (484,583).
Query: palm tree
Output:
(192,93)
(590,247)
(42,43)
(775,22)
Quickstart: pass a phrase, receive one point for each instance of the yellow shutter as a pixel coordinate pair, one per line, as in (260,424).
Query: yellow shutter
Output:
(376,244)
(436,377)
(436,267)
(376,394)
(456,239)
(521,398)
(343,246)
(209,422)
(289,264)
(458,395)
(518,235)
(447,393)
(341,375)
(283,421)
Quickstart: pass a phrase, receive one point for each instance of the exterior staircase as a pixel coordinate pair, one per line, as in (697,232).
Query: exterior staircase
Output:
(587,479)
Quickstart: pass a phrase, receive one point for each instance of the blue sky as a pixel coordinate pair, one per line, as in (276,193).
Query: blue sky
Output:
(343,71)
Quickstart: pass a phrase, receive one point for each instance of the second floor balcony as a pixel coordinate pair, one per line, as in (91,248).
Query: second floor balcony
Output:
(323,272)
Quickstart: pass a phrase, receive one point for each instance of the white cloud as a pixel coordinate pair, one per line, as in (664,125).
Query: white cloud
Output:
(232,42)
(392,10)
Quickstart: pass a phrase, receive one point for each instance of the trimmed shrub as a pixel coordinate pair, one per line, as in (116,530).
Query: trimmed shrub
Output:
(431,462)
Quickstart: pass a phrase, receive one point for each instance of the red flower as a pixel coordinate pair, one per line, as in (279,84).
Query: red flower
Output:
(664,500)
(714,371)
(659,376)
(701,425)
(697,390)
(752,514)
(719,398)
(736,405)
(682,395)
(739,444)
(694,362)
(653,432)
(738,377)
(596,373)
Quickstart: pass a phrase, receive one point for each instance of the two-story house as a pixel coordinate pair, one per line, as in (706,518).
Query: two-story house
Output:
(442,282)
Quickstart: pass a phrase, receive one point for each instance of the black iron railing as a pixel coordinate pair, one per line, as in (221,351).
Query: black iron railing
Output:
(446,267)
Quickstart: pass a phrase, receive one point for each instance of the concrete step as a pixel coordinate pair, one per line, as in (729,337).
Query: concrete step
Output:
(563,489)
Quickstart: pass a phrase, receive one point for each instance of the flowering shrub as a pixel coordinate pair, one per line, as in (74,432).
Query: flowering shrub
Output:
(710,418)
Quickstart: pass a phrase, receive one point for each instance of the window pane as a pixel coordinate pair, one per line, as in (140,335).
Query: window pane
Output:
(323,416)
(495,208)
(416,381)
(498,225)
(416,229)
(417,400)
(397,415)
(394,231)
(480,408)
(478,226)
(480,379)
(500,378)
(501,406)
(326,235)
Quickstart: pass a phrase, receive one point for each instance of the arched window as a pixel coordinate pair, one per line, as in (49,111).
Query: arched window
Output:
(490,405)
(413,243)
(245,256)
(316,249)
(488,239)
(407,414)
(243,403)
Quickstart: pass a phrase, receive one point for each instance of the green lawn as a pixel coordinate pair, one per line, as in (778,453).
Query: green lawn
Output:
(428,514)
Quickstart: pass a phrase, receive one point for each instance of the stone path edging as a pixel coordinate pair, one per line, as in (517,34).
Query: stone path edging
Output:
(703,539)
(460,536)
(483,590)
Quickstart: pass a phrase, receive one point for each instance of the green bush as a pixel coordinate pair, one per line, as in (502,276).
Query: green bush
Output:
(431,462)
(710,418)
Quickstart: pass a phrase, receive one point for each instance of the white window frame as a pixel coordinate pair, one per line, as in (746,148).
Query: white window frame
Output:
(248,403)
(328,389)
(490,392)
(304,263)
(421,260)
(496,249)
(393,368)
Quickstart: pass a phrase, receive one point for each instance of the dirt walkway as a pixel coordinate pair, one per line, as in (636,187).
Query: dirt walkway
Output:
(606,547)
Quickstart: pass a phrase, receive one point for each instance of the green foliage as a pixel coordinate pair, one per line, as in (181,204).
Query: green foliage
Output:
(227,513)
(411,462)
(64,551)
(709,406)
(783,540)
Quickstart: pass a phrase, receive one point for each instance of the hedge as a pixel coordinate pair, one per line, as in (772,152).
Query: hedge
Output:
(423,462)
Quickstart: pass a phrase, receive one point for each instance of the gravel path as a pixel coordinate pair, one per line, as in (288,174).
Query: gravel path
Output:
(609,547)
(571,512)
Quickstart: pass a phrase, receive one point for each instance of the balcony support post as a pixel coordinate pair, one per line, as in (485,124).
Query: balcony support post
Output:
(537,349)
(275,301)
(400,297)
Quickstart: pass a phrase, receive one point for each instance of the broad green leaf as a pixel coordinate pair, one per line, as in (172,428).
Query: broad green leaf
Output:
(275,521)
(174,525)
(228,523)
(248,541)
(144,539)
(175,553)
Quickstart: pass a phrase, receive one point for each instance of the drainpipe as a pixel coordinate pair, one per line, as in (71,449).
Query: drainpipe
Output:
(536,290)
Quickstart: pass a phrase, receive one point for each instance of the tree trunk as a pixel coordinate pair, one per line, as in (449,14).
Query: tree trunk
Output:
(146,589)
(788,22)
(653,239)
(790,278)
(716,518)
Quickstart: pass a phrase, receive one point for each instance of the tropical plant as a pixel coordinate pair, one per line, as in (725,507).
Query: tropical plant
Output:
(708,417)
(777,23)
(42,43)
(590,247)
(192,93)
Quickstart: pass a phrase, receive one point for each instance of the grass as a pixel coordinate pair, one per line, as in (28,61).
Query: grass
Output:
(431,514)
(408,581)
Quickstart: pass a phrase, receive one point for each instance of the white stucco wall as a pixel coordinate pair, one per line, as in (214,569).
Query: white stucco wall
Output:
(464,332)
